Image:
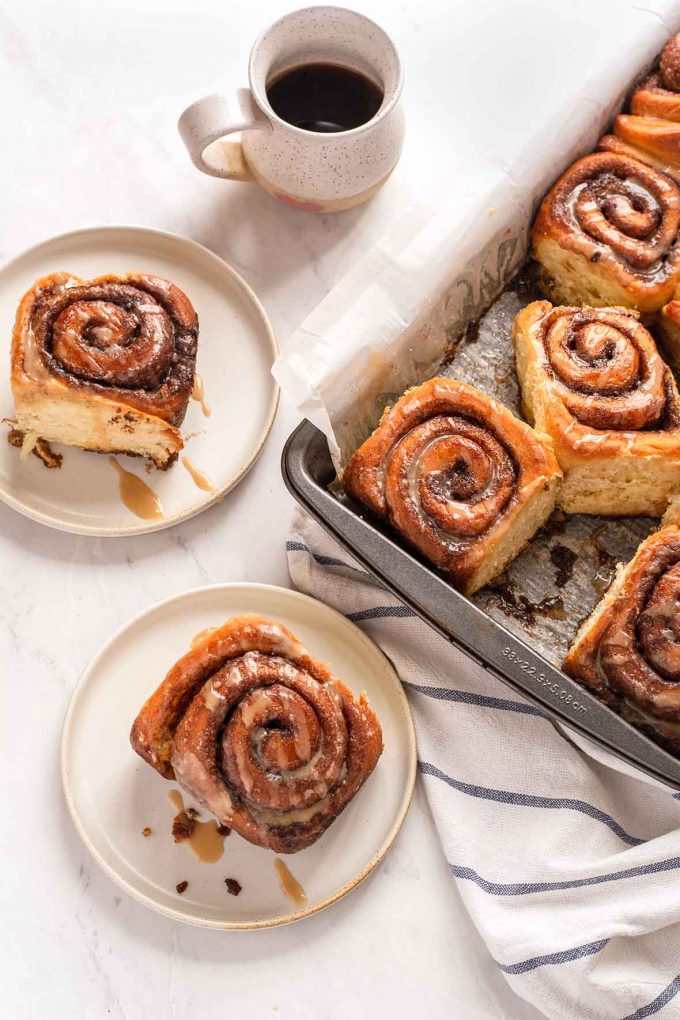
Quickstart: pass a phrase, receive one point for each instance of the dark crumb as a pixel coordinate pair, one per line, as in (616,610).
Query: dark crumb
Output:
(471,334)
(42,449)
(525,282)
(146,832)
(44,452)
(521,608)
(512,604)
(224,830)
(183,826)
(603,557)
(552,607)
(192,812)
(181,887)
(555,525)
(564,560)
(233,887)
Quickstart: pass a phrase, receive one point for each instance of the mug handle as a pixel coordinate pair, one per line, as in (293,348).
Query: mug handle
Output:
(211,118)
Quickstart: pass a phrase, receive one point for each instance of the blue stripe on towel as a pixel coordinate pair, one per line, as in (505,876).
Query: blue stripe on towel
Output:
(468,698)
(380,613)
(324,561)
(669,992)
(531,800)
(526,888)
(565,956)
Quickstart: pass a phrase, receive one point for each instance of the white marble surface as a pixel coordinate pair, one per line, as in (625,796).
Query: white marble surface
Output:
(91,94)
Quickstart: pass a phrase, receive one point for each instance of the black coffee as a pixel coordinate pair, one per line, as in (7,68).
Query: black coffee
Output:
(324,97)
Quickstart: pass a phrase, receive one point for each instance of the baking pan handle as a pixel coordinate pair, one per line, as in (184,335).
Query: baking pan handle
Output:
(308,471)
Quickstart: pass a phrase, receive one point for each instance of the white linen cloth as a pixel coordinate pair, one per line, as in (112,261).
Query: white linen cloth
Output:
(567,860)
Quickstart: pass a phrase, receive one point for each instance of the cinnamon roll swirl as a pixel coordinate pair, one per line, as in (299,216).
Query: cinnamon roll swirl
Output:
(594,381)
(107,365)
(607,234)
(458,477)
(260,733)
(628,651)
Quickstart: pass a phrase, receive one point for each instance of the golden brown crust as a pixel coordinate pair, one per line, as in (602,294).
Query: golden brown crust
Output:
(619,219)
(652,137)
(593,380)
(257,730)
(628,651)
(612,143)
(454,472)
(129,339)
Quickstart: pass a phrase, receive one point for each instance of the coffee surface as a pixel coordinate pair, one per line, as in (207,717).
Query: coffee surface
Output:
(324,97)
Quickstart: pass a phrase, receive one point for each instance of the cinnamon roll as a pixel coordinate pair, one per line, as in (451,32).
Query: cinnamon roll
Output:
(659,94)
(106,364)
(607,234)
(651,131)
(628,651)
(260,733)
(458,477)
(594,381)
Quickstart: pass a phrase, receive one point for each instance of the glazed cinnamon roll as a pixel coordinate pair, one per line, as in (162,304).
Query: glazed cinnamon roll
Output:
(607,234)
(594,381)
(659,95)
(628,651)
(106,364)
(651,131)
(260,733)
(458,477)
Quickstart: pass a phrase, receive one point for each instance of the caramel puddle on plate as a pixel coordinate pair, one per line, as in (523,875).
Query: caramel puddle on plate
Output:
(290,886)
(137,495)
(205,841)
(201,636)
(200,479)
(198,394)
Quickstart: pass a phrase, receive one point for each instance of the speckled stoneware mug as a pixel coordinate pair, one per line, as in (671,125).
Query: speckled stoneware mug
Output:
(308,169)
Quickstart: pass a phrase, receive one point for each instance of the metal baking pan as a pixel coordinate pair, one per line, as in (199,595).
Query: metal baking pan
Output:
(309,473)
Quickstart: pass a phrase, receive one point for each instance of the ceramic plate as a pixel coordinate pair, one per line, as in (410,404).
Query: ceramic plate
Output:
(113,795)
(236,349)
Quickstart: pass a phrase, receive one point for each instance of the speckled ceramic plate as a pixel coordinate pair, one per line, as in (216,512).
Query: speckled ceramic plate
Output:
(236,349)
(114,801)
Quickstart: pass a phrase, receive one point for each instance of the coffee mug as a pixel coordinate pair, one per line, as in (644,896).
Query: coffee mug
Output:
(324,169)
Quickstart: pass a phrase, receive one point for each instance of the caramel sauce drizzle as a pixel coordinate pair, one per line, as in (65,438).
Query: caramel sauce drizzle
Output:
(206,841)
(290,886)
(200,479)
(198,394)
(137,496)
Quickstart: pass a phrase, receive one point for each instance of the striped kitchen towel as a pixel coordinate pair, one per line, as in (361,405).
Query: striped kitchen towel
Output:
(567,861)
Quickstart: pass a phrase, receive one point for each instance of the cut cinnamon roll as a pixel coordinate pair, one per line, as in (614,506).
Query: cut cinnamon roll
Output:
(594,381)
(607,235)
(260,733)
(107,365)
(458,477)
(628,651)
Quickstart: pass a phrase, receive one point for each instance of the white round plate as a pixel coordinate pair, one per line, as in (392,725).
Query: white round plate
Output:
(113,795)
(236,349)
